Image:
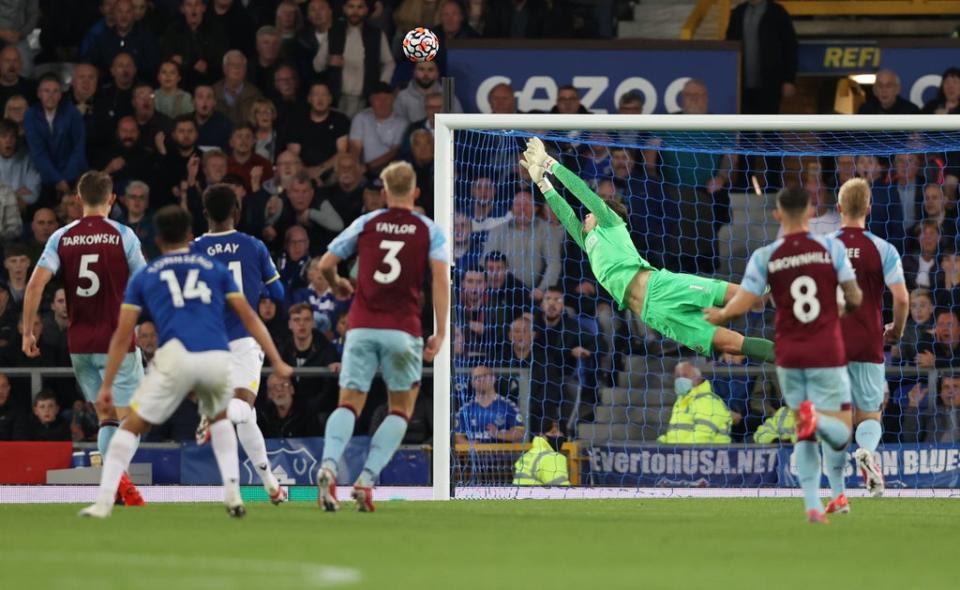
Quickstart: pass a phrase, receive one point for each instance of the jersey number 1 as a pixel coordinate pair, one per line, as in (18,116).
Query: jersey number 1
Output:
(192,287)
(393,248)
(235,268)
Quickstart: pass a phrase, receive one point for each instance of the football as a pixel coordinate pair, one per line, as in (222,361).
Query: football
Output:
(420,44)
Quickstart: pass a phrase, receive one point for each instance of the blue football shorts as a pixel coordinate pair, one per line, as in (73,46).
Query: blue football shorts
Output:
(398,354)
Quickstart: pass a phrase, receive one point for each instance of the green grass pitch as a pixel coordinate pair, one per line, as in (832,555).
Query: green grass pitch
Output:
(489,545)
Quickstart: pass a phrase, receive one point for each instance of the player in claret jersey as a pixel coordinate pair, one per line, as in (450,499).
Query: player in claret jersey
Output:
(396,247)
(248,260)
(803,272)
(96,256)
(876,263)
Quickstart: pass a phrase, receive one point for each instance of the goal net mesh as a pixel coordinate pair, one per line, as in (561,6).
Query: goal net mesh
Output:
(541,350)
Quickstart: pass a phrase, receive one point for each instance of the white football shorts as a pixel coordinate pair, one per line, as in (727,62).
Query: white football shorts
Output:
(246,362)
(175,372)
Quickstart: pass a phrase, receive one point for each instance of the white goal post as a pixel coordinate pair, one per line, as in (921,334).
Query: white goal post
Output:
(446,124)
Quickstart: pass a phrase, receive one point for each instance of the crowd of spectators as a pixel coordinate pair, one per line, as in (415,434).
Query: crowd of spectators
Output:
(298,104)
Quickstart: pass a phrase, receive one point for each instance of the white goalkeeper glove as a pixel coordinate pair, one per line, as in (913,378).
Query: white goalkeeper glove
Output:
(537,162)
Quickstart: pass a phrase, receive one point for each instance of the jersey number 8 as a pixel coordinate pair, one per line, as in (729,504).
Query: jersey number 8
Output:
(806,306)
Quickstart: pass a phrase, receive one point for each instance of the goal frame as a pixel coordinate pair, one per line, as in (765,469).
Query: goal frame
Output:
(446,124)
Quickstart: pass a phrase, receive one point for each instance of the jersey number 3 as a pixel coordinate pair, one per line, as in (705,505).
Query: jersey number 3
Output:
(806,306)
(393,248)
(192,288)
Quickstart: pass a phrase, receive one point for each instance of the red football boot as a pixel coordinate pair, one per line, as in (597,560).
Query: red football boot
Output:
(839,505)
(806,421)
(327,490)
(814,516)
(129,492)
(364,498)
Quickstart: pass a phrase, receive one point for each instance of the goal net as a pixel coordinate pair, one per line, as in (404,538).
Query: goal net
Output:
(540,353)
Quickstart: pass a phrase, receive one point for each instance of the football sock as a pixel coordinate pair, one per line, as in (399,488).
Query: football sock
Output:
(833,431)
(123,444)
(224,443)
(808,469)
(834,461)
(383,445)
(251,439)
(868,435)
(107,429)
(758,349)
(239,411)
(336,436)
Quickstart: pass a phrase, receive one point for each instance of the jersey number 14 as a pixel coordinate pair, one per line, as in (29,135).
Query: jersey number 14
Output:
(193,288)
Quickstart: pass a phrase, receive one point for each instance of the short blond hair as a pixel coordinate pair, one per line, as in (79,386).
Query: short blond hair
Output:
(399,179)
(855,197)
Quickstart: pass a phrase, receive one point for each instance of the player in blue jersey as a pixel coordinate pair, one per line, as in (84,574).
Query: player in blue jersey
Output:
(249,262)
(186,295)
(395,247)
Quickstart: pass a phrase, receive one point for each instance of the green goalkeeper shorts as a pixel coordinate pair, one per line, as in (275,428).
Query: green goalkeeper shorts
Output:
(674,306)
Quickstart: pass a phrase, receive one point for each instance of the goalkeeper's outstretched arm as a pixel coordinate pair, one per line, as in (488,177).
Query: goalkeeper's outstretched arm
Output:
(604,214)
(538,163)
(565,213)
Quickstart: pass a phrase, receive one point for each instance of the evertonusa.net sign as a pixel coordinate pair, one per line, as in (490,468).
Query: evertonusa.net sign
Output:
(904,466)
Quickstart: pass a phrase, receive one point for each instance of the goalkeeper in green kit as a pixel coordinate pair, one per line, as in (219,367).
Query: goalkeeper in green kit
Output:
(670,303)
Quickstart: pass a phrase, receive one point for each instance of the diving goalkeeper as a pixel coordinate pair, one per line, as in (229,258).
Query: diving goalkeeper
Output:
(670,303)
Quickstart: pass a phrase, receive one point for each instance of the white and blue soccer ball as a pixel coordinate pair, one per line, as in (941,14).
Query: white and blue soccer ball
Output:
(421,44)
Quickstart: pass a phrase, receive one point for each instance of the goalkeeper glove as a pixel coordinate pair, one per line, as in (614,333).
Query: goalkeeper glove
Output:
(538,163)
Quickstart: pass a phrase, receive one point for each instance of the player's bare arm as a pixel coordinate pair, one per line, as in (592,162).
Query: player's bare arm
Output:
(341,286)
(441,307)
(742,302)
(119,343)
(893,331)
(31,302)
(852,296)
(255,326)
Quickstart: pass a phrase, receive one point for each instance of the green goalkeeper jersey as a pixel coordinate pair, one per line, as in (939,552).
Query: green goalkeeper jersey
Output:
(613,257)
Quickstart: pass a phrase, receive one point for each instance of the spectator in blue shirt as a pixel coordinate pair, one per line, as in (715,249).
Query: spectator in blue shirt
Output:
(213,126)
(56,137)
(489,418)
(318,294)
(16,169)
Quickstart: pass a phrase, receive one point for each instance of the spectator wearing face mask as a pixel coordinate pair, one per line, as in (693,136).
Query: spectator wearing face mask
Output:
(699,416)
(543,464)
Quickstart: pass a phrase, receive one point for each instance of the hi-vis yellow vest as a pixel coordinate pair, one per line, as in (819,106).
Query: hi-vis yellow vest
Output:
(781,426)
(698,417)
(541,466)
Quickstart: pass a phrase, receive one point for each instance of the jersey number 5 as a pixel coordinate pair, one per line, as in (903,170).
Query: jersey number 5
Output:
(393,248)
(85,273)
(192,288)
(806,306)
